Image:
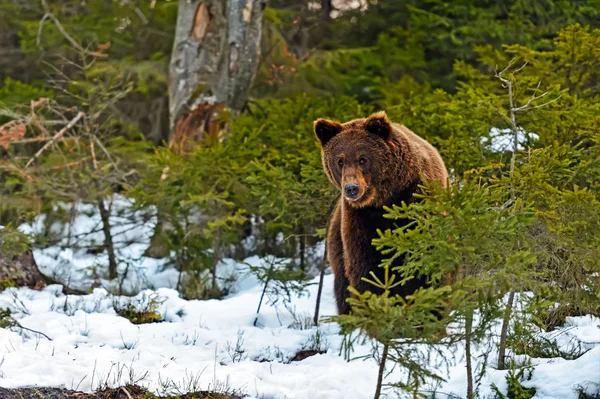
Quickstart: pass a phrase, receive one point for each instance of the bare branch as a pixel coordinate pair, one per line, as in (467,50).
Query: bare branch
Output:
(60,27)
(541,105)
(140,14)
(39,32)
(94,162)
(103,148)
(33,331)
(521,108)
(55,138)
(511,62)
(521,67)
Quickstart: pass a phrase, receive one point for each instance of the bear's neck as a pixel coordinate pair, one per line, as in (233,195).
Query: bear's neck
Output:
(371,217)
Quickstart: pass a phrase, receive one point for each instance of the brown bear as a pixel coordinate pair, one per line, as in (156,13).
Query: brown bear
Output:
(374,163)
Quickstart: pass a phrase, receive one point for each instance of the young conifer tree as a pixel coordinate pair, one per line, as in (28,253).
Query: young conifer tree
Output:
(464,241)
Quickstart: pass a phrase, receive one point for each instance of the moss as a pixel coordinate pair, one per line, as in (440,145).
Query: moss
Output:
(145,316)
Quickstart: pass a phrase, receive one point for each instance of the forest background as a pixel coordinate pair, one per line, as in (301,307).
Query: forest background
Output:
(508,91)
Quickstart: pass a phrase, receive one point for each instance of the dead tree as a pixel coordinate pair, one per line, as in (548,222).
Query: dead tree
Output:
(508,84)
(213,64)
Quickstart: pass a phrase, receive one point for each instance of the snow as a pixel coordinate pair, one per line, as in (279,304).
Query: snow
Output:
(91,343)
(194,347)
(71,262)
(502,140)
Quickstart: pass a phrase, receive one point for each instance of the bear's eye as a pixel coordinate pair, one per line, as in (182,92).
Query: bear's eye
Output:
(340,162)
(362,161)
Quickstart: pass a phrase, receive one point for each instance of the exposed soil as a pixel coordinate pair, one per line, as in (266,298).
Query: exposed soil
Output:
(301,355)
(127,392)
(21,271)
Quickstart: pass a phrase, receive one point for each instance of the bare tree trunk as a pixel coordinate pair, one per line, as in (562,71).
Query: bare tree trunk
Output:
(468,331)
(326,7)
(302,242)
(323,265)
(213,64)
(513,109)
(21,270)
(108,241)
(504,331)
(384,355)
(216,259)
(320,289)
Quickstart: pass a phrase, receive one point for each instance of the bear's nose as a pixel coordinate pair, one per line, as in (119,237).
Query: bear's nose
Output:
(351,190)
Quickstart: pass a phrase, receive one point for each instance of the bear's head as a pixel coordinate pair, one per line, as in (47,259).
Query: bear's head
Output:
(359,157)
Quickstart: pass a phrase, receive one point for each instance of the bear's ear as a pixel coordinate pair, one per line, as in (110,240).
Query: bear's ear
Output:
(326,130)
(379,124)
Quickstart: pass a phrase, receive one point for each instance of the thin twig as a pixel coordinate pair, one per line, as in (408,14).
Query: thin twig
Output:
(61,28)
(521,67)
(140,14)
(94,162)
(39,33)
(33,331)
(540,105)
(55,138)
(126,393)
(511,62)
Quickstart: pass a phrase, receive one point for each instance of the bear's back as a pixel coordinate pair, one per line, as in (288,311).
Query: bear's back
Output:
(426,158)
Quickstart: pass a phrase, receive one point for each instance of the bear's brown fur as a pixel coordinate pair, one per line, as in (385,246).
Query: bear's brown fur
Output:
(375,163)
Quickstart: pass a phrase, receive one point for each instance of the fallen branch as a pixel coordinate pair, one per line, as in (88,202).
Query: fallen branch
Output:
(33,331)
(56,137)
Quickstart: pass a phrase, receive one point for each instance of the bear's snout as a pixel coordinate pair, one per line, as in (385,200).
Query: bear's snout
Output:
(351,191)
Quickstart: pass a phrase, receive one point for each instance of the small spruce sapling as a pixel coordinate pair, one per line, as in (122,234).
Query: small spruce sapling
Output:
(279,281)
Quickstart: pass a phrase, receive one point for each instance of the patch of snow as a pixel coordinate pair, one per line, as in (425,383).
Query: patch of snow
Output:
(91,342)
(71,260)
(92,345)
(502,140)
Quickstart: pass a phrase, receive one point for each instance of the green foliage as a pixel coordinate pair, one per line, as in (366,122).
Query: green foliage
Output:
(14,92)
(268,171)
(497,230)
(6,320)
(142,312)
(465,230)
(465,241)
(431,65)
(523,341)
(127,41)
(368,47)
(12,242)
(279,281)
(515,389)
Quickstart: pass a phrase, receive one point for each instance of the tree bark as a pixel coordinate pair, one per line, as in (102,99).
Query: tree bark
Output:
(504,331)
(21,270)
(108,241)
(384,355)
(320,289)
(213,64)
(468,331)
(326,7)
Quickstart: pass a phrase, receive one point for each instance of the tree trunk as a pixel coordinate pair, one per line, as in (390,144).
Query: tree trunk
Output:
(216,259)
(302,245)
(504,331)
(382,361)
(213,64)
(108,241)
(468,330)
(320,289)
(20,270)
(326,7)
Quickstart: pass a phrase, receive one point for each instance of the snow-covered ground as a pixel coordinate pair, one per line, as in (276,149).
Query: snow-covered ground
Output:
(70,260)
(204,344)
(196,344)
